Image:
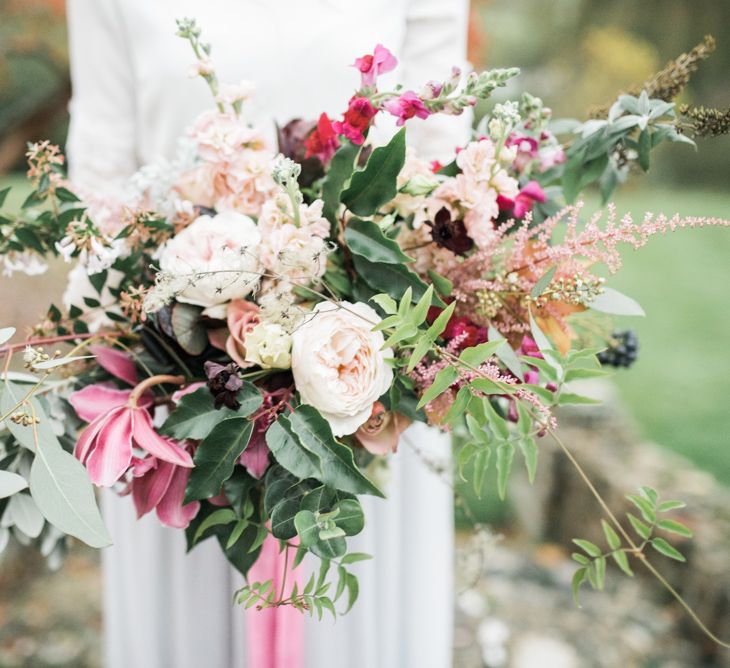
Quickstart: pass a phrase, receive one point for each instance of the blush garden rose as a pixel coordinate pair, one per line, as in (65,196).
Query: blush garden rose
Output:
(338,365)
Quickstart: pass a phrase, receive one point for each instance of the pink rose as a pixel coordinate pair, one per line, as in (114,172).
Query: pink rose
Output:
(242,316)
(380,434)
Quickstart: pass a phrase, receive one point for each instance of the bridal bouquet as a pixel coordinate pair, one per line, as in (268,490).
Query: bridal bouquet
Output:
(251,330)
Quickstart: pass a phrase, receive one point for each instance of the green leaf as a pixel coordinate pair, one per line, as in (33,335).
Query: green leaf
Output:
(479,354)
(289,452)
(376,185)
(578,579)
(644,506)
(661,546)
(600,565)
(615,303)
(12,394)
(282,517)
(530,453)
(350,517)
(221,516)
(644,149)
(506,353)
(354,557)
(3,194)
(393,279)
(577,399)
(353,590)
(643,530)
(651,494)
(365,238)
(671,505)
(236,533)
(195,415)
(386,302)
(307,527)
(674,527)
(442,284)
(216,456)
(442,320)
(443,380)
(187,328)
(505,455)
(612,538)
(336,462)
(591,549)
(543,282)
(622,562)
(340,170)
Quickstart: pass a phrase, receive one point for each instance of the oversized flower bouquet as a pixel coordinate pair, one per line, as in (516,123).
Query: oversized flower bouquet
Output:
(252,330)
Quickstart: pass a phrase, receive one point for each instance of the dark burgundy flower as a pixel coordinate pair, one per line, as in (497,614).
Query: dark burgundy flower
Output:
(224,384)
(450,234)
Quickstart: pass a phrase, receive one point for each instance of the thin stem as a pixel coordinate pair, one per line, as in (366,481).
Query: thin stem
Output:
(146,384)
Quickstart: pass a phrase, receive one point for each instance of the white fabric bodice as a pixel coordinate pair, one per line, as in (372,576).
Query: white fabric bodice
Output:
(133,96)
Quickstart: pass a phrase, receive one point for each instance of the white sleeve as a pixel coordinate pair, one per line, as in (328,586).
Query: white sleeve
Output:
(101,140)
(436,40)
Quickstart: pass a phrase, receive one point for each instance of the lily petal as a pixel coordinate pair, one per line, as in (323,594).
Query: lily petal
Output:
(148,439)
(148,489)
(170,510)
(117,363)
(96,400)
(112,454)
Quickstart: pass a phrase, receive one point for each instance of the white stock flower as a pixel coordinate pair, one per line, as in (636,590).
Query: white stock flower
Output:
(217,257)
(338,365)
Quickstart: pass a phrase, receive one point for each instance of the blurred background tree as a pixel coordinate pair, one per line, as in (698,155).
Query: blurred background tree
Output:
(34,80)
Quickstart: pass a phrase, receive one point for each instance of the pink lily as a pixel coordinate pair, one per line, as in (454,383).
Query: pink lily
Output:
(371,66)
(160,485)
(406,106)
(119,419)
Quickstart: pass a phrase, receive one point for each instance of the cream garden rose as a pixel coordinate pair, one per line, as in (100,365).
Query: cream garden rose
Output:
(338,365)
(268,345)
(215,258)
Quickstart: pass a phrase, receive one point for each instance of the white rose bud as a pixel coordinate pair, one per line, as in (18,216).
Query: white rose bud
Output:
(268,345)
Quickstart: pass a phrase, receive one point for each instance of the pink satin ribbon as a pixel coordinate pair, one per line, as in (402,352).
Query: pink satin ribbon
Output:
(275,636)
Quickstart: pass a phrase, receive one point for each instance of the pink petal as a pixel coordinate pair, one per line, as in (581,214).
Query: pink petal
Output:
(96,400)
(112,453)
(87,438)
(218,337)
(170,509)
(148,490)
(534,191)
(189,389)
(256,457)
(148,439)
(116,362)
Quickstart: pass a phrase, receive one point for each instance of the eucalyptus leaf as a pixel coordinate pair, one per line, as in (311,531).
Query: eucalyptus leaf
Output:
(616,303)
(23,513)
(6,333)
(11,483)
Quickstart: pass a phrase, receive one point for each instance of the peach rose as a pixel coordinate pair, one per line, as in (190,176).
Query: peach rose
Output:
(380,434)
(338,365)
(241,317)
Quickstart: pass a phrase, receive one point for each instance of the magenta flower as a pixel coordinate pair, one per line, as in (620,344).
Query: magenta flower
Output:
(119,420)
(356,120)
(407,106)
(524,201)
(160,485)
(372,66)
(322,141)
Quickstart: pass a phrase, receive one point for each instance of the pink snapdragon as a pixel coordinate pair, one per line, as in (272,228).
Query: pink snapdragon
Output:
(356,120)
(371,66)
(322,142)
(406,106)
(523,202)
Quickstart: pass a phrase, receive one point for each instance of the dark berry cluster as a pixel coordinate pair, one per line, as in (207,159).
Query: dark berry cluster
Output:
(623,350)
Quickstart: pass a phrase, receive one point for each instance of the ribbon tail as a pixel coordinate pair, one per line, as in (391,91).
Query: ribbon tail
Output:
(275,635)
